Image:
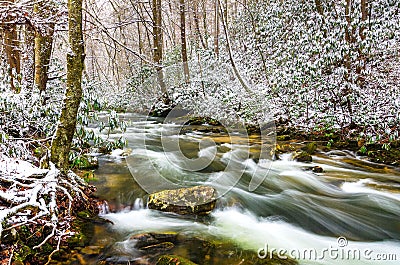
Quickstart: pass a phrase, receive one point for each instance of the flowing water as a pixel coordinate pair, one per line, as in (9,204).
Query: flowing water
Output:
(349,214)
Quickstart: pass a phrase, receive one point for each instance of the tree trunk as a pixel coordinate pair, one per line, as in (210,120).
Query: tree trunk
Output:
(158,48)
(183,41)
(11,48)
(228,47)
(216,28)
(318,5)
(197,24)
(361,53)
(29,57)
(157,33)
(43,45)
(61,144)
(350,39)
(205,30)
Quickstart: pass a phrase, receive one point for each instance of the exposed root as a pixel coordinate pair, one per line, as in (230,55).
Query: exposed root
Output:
(34,197)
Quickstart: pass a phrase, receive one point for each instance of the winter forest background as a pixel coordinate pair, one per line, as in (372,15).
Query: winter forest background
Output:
(315,64)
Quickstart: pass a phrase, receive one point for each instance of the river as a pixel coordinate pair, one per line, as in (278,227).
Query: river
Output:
(348,214)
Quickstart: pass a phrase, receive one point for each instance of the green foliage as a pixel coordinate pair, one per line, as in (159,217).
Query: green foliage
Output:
(386,146)
(144,72)
(330,142)
(363,149)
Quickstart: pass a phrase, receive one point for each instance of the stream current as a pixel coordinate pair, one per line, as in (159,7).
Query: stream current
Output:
(349,214)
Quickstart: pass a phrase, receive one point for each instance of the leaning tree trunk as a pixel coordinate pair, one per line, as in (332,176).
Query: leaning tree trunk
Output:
(43,45)
(229,48)
(61,144)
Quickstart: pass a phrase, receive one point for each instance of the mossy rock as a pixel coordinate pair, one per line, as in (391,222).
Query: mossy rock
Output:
(284,148)
(198,200)
(91,250)
(303,157)
(283,137)
(159,248)
(173,260)
(310,148)
(203,120)
(149,239)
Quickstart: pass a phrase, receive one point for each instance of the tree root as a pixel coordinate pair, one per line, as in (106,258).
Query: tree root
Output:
(44,199)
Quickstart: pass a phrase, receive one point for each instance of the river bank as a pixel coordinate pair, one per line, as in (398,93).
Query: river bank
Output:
(382,151)
(43,212)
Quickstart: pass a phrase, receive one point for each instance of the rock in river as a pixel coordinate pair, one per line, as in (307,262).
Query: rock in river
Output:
(198,200)
(302,157)
(173,260)
(146,240)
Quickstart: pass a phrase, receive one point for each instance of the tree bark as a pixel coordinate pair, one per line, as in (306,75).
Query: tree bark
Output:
(62,140)
(11,48)
(228,47)
(205,30)
(197,24)
(28,63)
(350,39)
(318,5)
(361,53)
(183,41)
(216,28)
(158,47)
(43,45)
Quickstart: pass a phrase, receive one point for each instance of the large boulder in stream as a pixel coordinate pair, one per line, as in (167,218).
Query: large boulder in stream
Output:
(198,200)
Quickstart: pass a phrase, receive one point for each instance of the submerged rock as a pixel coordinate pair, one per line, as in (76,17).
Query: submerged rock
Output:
(91,250)
(157,248)
(284,148)
(199,200)
(173,260)
(147,240)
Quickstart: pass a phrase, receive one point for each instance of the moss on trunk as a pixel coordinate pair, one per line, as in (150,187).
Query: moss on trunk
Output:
(75,62)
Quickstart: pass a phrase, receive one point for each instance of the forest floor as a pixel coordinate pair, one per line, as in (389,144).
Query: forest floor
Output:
(42,212)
